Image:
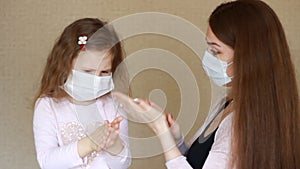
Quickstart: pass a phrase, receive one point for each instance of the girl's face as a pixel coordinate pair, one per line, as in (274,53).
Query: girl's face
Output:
(94,62)
(220,50)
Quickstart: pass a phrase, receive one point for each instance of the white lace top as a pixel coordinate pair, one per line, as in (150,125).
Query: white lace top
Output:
(57,129)
(219,155)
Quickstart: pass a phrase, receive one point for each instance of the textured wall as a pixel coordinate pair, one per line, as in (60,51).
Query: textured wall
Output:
(29,28)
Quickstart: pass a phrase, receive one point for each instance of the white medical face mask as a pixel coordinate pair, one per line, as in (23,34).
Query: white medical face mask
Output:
(215,69)
(84,87)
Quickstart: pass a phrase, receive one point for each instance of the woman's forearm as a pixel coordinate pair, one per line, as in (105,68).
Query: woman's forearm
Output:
(167,142)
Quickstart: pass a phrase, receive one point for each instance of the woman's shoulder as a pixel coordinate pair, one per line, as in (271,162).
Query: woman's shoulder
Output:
(223,135)
(220,153)
(226,124)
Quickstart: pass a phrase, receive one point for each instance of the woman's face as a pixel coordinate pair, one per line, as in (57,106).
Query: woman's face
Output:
(220,50)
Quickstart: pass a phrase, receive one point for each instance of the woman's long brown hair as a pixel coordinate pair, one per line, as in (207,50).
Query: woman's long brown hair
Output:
(266,119)
(60,60)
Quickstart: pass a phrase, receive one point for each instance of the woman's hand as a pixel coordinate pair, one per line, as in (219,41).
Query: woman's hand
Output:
(143,112)
(174,128)
(147,112)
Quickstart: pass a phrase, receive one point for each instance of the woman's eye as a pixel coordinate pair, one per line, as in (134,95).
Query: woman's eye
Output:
(214,52)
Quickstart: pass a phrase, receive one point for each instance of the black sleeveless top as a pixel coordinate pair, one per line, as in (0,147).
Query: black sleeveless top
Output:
(198,152)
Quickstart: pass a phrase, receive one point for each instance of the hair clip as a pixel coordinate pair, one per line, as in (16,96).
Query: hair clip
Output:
(82,41)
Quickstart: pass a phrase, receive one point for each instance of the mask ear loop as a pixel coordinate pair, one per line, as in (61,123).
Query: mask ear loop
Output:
(228,64)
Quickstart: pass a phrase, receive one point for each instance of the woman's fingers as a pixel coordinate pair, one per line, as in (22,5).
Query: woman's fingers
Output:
(126,102)
(170,119)
(133,107)
(139,110)
(155,106)
(174,128)
(144,104)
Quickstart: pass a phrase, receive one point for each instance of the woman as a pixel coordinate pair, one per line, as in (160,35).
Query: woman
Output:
(258,124)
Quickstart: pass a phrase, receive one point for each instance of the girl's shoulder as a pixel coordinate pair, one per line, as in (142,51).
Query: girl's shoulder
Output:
(49,102)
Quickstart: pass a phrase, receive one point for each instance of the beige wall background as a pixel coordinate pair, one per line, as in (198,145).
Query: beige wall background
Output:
(29,28)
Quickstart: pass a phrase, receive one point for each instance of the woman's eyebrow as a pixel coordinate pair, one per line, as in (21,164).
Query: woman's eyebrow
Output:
(212,43)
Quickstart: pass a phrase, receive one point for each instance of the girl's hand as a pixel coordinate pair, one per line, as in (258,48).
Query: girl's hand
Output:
(93,142)
(99,137)
(114,144)
(116,123)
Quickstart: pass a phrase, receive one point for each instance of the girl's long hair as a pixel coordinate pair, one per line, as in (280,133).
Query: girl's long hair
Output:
(266,119)
(60,60)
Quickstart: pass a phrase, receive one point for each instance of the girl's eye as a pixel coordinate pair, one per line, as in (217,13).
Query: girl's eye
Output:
(90,71)
(105,72)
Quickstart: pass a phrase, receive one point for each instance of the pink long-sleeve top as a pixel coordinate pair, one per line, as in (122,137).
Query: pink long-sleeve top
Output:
(220,153)
(57,130)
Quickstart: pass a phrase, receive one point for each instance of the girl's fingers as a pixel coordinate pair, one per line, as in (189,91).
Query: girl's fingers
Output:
(117,120)
(106,122)
(116,123)
(116,126)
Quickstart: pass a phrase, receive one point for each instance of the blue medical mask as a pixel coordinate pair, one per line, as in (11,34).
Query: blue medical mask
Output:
(215,69)
(82,86)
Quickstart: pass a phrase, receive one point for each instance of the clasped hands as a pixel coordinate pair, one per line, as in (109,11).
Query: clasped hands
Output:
(105,137)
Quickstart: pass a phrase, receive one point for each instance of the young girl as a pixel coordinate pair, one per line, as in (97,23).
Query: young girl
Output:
(76,124)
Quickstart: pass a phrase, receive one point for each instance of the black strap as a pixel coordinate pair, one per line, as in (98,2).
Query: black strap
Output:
(198,152)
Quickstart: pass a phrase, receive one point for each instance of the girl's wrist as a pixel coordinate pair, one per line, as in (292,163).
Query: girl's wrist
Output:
(116,148)
(93,146)
(85,146)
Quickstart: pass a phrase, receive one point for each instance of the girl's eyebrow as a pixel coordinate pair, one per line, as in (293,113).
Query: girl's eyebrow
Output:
(88,68)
